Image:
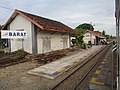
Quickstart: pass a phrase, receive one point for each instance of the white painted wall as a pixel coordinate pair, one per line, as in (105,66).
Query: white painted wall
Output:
(89,37)
(56,40)
(21,23)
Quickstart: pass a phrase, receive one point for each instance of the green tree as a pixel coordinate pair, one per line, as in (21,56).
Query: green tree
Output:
(85,26)
(78,39)
(97,31)
(107,36)
(1,27)
(103,33)
(111,37)
(2,41)
(80,30)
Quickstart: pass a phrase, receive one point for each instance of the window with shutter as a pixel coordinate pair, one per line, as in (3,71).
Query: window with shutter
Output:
(46,44)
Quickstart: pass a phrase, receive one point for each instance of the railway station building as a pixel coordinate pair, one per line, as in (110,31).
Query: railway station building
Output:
(43,35)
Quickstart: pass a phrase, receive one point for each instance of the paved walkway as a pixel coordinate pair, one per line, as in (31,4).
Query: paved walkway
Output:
(54,69)
(102,78)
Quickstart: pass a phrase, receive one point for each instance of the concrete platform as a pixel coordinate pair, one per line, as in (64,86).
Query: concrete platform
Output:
(56,68)
(102,79)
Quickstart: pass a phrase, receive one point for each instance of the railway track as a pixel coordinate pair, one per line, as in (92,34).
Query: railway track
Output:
(12,58)
(6,61)
(81,72)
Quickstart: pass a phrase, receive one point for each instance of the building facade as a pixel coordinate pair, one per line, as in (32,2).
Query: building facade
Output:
(89,37)
(43,35)
(94,37)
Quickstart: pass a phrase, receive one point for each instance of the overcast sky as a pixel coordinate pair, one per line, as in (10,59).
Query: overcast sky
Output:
(70,12)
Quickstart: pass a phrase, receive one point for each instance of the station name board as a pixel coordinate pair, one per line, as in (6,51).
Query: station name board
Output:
(5,34)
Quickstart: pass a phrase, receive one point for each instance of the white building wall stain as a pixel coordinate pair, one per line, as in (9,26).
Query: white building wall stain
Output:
(56,40)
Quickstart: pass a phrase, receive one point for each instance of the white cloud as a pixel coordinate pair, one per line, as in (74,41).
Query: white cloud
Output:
(70,12)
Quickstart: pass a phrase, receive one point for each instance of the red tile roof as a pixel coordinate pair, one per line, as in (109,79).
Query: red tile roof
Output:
(42,23)
(98,34)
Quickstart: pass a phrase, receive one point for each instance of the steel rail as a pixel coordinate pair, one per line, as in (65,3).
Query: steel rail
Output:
(11,63)
(90,70)
(76,69)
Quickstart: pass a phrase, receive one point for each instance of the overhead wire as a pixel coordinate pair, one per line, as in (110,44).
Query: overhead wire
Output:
(6,8)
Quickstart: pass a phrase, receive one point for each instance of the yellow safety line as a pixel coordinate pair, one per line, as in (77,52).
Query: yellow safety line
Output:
(97,72)
(93,81)
(101,66)
(103,62)
(61,70)
(70,64)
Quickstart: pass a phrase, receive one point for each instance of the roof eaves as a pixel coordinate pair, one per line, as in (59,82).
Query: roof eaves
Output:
(45,28)
(52,29)
(34,22)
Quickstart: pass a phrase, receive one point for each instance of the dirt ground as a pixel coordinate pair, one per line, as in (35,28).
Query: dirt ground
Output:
(21,67)
(16,77)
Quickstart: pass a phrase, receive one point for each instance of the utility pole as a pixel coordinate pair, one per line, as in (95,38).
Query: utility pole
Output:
(117,15)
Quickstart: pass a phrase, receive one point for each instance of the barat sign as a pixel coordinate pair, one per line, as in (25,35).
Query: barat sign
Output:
(5,34)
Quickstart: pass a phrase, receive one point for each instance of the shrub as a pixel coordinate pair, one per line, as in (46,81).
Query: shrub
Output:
(19,54)
(84,45)
(2,52)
